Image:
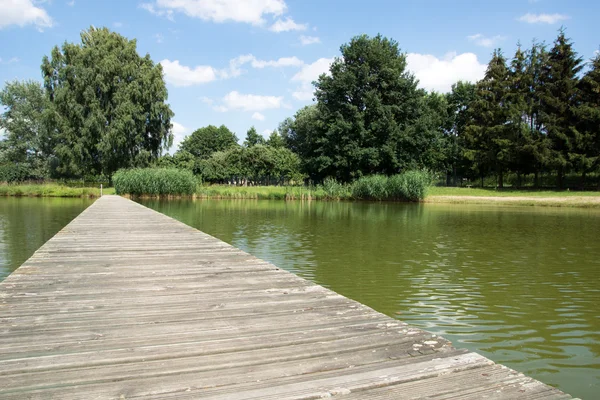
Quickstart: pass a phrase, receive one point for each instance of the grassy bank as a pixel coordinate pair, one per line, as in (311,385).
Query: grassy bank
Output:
(51,190)
(545,198)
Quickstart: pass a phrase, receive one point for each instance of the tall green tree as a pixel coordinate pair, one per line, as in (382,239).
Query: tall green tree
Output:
(588,115)
(558,95)
(203,142)
(365,106)
(459,100)
(489,135)
(275,140)
(108,104)
(27,139)
(253,138)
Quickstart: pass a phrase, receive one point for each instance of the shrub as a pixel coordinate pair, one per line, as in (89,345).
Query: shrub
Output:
(333,189)
(373,187)
(408,186)
(154,182)
(14,173)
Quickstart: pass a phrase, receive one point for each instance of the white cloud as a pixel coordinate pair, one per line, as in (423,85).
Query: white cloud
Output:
(543,18)
(156,11)
(258,116)
(10,60)
(308,74)
(71,3)
(281,62)
(484,41)
(251,102)
(287,25)
(220,109)
(206,100)
(306,40)
(179,133)
(267,132)
(21,13)
(159,38)
(439,74)
(118,24)
(248,11)
(180,75)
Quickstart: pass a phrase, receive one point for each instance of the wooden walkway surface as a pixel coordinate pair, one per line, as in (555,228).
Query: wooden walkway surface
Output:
(127,303)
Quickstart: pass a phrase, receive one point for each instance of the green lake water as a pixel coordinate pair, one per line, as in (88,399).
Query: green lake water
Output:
(27,223)
(520,285)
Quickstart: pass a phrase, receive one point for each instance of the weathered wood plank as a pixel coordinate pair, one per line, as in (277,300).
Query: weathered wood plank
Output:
(126,303)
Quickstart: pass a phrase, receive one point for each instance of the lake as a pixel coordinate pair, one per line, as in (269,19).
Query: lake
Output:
(518,285)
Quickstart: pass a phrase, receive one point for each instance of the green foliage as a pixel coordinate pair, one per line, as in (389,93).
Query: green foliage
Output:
(10,173)
(334,190)
(257,164)
(253,138)
(275,140)
(28,140)
(203,142)
(108,105)
(364,108)
(408,186)
(154,182)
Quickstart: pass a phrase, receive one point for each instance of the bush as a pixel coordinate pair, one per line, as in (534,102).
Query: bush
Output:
(154,182)
(408,186)
(11,173)
(373,187)
(333,189)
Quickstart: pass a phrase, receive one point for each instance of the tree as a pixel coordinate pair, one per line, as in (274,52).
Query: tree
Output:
(28,140)
(203,142)
(108,104)
(588,115)
(275,140)
(460,101)
(364,107)
(253,138)
(488,135)
(558,95)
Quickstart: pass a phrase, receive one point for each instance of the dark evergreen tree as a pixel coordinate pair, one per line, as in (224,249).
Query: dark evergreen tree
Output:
(488,136)
(588,115)
(558,102)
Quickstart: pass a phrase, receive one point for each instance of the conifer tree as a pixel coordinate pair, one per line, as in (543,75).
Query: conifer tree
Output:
(588,115)
(558,97)
(488,136)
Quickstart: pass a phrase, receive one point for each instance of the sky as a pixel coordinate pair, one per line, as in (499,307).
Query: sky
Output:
(247,63)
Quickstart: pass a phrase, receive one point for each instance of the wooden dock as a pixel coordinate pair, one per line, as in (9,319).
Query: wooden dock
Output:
(127,303)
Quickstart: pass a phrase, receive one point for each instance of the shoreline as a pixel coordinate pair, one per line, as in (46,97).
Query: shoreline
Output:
(437,195)
(529,201)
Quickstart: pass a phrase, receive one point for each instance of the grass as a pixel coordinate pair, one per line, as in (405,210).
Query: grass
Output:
(537,198)
(154,182)
(479,192)
(51,190)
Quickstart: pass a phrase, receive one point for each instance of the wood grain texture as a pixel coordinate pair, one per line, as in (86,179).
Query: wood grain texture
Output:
(127,303)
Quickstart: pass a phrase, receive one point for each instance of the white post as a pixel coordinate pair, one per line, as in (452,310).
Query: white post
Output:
(100,190)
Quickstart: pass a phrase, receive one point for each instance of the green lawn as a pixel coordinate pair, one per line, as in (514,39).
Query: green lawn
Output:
(454,191)
(51,190)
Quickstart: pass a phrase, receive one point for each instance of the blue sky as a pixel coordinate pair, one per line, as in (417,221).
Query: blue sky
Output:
(251,62)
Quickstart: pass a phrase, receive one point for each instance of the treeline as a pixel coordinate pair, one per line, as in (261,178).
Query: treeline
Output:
(103,107)
(215,155)
(537,112)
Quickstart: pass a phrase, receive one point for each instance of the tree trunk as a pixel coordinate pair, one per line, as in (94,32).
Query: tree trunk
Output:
(583,179)
(560,182)
(482,179)
(500,179)
(536,182)
(518,180)
(454,178)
